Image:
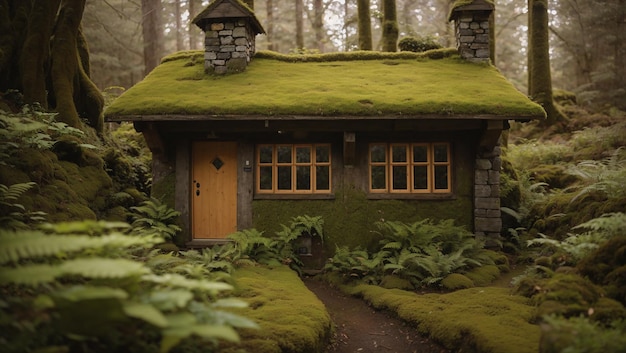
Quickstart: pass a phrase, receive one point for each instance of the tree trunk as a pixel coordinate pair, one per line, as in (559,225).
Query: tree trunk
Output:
(299,25)
(193,33)
(47,58)
(179,32)
(539,77)
(152,34)
(318,24)
(269,28)
(365,25)
(36,51)
(390,26)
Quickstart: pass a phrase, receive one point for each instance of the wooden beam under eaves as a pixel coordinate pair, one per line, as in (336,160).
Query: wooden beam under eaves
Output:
(491,133)
(349,148)
(152,136)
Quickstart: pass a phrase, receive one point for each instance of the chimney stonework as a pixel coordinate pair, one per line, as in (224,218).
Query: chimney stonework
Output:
(471,28)
(229,46)
(230,28)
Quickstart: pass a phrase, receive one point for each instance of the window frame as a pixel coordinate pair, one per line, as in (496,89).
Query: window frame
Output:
(409,163)
(312,164)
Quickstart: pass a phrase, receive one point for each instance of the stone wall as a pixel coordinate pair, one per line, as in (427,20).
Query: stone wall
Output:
(229,45)
(472,35)
(487,216)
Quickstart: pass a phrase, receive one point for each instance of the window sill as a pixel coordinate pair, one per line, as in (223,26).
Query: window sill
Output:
(294,197)
(407,196)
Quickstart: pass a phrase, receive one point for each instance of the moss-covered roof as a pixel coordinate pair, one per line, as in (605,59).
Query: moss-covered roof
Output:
(357,84)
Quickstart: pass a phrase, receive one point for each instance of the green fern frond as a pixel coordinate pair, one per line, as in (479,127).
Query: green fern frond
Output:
(27,244)
(32,275)
(176,280)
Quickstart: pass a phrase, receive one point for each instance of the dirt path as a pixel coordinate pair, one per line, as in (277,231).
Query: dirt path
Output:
(361,329)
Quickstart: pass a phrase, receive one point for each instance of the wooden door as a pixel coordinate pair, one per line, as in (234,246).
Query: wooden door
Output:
(214,189)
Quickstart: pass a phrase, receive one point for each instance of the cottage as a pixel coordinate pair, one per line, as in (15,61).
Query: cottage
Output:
(244,139)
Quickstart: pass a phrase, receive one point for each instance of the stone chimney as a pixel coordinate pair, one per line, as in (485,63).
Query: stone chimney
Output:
(471,28)
(230,28)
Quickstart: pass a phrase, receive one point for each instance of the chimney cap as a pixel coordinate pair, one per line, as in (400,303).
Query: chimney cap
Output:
(470,5)
(232,9)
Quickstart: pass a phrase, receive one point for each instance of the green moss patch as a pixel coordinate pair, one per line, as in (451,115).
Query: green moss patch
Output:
(349,218)
(471,320)
(332,87)
(291,318)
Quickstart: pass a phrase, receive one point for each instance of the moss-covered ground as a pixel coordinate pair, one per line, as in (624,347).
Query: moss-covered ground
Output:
(291,318)
(481,319)
(350,84)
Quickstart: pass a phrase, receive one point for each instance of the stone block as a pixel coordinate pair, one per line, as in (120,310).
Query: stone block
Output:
(482,53)
(497,164)
(483,164)
(495,190)
(210,55)
(220,70)
(226,32)
(237,65)
(219,62)
(474,25)
(494,177)
(482,191)
(466,39)
(482,38)
(241,41)
(240,32)
(210,34)
(241,48)
(481,177)
(227,48)
(463,25)
(484,25)
(229,25)
(484,224)
(218,26)
(489,203)
(223,56)
(239,54)
(226,40)
(212,41)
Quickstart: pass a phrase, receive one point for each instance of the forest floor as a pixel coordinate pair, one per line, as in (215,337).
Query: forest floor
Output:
(360,328)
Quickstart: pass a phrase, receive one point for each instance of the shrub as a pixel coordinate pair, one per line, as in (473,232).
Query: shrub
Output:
(418,44)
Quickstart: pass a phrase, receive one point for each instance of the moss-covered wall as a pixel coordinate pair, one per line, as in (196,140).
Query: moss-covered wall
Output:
(349,219)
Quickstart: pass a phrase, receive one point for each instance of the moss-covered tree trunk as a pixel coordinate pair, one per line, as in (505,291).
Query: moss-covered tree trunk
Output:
(365,24)
(390,26)
(539,77)
(44,55)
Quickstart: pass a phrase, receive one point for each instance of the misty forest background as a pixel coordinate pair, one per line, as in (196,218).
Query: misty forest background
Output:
(587,38)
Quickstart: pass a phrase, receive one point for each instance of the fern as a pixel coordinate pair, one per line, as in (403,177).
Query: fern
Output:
(578,246)
(14,215)
(154,217)
(65,285)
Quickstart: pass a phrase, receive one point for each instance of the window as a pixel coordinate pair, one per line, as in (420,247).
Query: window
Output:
(298,169)
(409,167)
